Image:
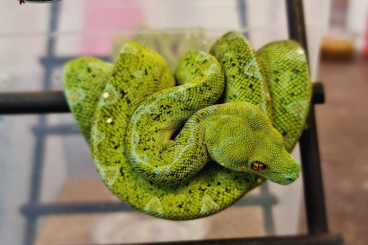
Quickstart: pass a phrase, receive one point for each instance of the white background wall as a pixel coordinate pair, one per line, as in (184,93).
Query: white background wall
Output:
(357,21)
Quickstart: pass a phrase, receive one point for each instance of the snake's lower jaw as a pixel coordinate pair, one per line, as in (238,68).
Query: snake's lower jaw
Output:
(285,179)
(290,178)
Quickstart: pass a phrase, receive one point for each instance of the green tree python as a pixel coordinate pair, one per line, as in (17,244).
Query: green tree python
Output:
(188,145)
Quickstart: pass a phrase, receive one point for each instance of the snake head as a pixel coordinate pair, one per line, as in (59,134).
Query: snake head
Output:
(269,159)
(245,140)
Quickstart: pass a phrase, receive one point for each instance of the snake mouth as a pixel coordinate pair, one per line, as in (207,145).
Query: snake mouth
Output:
(284,179)
(290,178)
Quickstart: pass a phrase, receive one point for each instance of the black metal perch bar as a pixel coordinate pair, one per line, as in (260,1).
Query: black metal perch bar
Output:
(112,207)
(55,102)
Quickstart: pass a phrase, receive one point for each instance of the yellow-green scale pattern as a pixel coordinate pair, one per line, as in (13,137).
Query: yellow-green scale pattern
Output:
(150,149)
(245,79)
(234,134)
(87,78)
(287,75)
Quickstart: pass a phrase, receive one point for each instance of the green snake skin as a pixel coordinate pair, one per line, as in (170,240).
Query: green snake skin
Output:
(287,75)
(171,151)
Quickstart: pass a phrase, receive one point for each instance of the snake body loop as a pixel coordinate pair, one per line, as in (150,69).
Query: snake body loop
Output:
(151,151)
(129,111)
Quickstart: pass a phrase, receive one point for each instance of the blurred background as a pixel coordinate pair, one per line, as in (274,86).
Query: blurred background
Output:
(45,164)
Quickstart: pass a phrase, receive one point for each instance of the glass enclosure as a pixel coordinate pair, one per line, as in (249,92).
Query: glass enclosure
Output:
(45,164)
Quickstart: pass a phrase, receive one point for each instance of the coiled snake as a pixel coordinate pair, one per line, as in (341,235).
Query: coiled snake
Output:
(129,113)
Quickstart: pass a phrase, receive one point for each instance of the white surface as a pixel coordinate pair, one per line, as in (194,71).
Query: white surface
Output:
(54,170)
(286,212)
(267,22)
(316,13)
(209,14)
(139,228)
(357,20)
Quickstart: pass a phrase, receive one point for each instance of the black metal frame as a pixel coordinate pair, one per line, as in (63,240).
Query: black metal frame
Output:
(54,102)
(311,163)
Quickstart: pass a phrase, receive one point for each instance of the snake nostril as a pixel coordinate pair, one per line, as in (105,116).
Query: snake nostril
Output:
(291,177)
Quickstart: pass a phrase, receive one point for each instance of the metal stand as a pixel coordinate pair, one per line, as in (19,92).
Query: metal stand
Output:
(54,102)
(311,163)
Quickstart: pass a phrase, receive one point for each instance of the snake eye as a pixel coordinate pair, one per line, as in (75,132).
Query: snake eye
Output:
(258,166)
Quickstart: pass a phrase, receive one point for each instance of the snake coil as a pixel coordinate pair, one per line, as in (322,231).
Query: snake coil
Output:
(240,113)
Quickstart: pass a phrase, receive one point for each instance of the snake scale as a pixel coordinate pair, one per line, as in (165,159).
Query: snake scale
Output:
(188,145)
